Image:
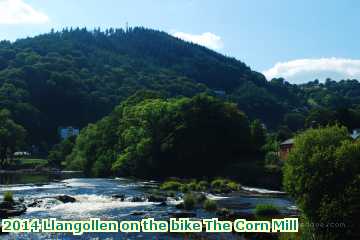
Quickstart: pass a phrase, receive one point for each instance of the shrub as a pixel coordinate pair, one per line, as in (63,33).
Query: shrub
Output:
(203,185)
(171,185)
(189,201)
(210,205)
(263,210)
(272,158)
(192,186)
(220,185)
(200,197)
(233,186)
(322,173)
(8,197)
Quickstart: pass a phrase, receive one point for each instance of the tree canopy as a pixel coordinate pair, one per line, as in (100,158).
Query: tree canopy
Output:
(322,173)
(149,136)
(76,76)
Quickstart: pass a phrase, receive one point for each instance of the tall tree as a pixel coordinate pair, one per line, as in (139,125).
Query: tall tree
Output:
(322,173)
(12,136)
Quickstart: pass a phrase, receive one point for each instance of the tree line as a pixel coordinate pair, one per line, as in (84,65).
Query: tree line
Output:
(84,74)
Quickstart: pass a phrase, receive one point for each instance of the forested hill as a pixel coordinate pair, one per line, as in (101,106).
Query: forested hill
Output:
(76,76)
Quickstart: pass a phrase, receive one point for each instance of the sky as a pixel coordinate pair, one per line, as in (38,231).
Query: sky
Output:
(298,40)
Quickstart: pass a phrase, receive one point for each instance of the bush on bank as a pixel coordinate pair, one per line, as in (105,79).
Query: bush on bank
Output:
(322,173)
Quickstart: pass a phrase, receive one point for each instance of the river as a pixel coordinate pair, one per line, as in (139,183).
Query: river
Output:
(94,198)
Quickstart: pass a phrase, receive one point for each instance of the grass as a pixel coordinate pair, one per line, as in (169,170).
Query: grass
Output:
(221,185)
(218,185)
(171,185)
(266,210)
(233,186)
(33,162)
(210,205)
(8,197)
(27,163)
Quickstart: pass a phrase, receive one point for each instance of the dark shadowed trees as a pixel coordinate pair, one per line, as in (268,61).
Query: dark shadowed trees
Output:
(12,137)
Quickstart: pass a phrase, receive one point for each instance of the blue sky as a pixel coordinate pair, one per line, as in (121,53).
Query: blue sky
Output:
(298,40)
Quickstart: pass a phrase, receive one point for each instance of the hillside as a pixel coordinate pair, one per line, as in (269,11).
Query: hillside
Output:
(76,76)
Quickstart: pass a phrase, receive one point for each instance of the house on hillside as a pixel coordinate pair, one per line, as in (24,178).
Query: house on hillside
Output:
(66,132)
(285,148)
(21,154)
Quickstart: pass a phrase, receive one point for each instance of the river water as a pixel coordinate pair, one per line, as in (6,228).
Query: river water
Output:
(94,199)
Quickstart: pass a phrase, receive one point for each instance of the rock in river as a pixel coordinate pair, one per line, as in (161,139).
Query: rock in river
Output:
(65,199)
(137,199)
(35,203)
(156,198)
(9,209)
(119,196)
(162,204)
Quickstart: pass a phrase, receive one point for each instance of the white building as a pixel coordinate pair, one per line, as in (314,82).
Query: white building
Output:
(21,154)
(66,132)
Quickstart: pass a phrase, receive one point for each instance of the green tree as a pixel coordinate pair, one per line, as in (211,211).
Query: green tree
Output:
(211,135)
(294,121)
(322,173)
(320,117)
(284,133)
(147,136)
(84,74)
(12,137)
(60,151)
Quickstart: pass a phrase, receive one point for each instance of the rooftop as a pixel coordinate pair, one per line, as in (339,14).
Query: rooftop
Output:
(288,142)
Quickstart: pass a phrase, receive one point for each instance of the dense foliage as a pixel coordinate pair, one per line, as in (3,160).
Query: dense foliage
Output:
(147,136)
(322,173)
(60,151)
(12,137)
(83,75)
(75,76)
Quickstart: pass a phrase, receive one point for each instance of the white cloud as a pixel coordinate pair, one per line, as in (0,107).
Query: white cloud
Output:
(18,12)
(297,70)
(206,39)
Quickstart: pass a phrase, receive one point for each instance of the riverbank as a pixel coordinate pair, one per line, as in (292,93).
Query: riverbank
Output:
(27,163)
(37,171)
